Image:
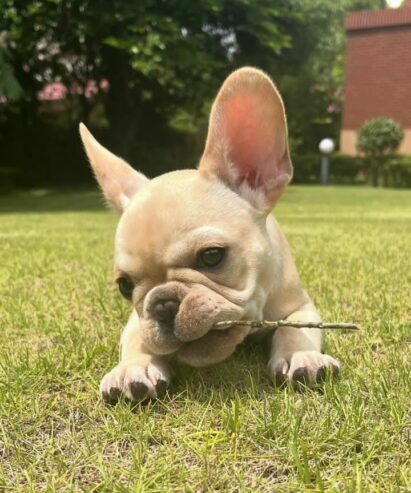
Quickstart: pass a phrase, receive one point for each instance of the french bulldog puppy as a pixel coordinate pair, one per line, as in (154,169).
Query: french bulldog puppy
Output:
(195,247)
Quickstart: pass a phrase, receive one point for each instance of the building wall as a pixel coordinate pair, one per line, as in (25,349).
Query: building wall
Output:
(378,72)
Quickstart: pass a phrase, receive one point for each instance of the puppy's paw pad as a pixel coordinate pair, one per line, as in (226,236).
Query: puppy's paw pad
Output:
(311,367)
(112,395)
(137,381)
(161,388)
(321,374)
(304,368)
(278,372)
(301,376)
(138,391)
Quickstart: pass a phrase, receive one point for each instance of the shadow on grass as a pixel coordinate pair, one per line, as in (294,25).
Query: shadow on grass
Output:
(52,200)
(242,375)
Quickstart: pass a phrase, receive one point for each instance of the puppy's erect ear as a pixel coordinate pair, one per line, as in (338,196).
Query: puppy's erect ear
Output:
(117,179)
(247,145)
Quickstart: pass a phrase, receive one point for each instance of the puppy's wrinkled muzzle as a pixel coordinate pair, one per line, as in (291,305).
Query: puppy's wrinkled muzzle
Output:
(200,310)
(176,313)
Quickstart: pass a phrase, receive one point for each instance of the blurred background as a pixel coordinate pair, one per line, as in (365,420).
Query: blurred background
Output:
(142,75)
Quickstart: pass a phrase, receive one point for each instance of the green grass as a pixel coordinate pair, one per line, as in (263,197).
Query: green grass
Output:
(223,428)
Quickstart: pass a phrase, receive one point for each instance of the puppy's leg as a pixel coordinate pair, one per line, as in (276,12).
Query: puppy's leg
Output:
(139,375)
(296,353)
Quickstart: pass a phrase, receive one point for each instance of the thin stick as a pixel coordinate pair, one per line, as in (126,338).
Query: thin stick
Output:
(272,325)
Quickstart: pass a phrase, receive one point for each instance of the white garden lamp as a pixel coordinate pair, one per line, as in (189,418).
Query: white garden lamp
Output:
(326,147)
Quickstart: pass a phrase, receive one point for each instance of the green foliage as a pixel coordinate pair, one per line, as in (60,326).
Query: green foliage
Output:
(395,171)
(379,136)
(157,57)
(376,138)
(343,169)
(161,64)
(9,86)
(312,89)
(398,172)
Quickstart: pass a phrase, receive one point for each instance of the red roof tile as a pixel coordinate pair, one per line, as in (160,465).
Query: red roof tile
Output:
(372,19)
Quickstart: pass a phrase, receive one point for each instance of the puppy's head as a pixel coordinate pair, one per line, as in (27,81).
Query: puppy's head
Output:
(192,247)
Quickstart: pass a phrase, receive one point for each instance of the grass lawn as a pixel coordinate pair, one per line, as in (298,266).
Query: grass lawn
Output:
(223,428)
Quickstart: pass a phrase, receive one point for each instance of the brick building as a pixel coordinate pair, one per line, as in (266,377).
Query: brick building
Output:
(378,72)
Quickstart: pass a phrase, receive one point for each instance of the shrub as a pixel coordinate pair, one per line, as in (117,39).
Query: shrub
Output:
(377,138)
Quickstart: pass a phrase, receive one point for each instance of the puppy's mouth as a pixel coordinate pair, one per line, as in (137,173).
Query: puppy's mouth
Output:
(175,316)
(213,347)
(163,339)
(217,327)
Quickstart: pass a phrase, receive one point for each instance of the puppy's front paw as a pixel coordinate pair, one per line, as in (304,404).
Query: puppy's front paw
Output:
(138,380)
(303,367)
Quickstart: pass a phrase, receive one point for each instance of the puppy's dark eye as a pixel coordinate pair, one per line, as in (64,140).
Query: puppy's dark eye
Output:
(126,286)
(211,257)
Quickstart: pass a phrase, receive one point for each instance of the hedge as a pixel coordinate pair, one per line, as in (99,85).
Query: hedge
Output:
(396,172)
(50,156)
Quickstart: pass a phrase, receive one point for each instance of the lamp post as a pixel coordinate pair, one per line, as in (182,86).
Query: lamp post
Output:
(326,147)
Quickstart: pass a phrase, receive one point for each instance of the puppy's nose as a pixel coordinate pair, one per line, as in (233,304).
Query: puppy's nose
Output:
(165,311)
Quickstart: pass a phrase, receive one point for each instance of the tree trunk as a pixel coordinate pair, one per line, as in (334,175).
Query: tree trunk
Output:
(119,102)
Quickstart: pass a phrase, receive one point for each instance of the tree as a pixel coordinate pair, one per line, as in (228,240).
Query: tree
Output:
(161,63)
(313,87)
(377,138)
(157,56)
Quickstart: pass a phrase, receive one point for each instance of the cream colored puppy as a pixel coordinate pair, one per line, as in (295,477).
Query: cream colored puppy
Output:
(196,247)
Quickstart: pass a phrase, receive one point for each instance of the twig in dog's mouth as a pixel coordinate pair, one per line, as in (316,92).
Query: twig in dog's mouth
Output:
(272,325)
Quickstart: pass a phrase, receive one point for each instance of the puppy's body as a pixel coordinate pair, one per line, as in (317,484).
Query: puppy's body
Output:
(196,247)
